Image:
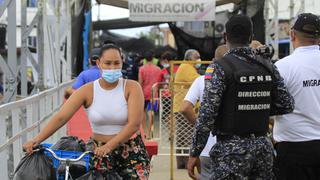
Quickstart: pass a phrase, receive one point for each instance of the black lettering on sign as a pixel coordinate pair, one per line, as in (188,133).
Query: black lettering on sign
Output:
(167,8)
(311,83)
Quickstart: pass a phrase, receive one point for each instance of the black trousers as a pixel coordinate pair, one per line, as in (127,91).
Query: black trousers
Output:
(297,160)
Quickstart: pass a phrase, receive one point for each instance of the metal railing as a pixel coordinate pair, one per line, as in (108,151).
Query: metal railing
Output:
(175,132)
(156,90)
(50,61)
(22,120)
(180,131)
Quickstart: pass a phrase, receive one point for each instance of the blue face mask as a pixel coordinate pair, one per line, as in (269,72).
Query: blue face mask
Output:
(197,66)
(111,75)
(165,65)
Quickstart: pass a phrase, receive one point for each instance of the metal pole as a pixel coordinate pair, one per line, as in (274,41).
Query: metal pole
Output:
(69,40)
(171,135)
(24,46)
(291,6)
(266,18)
(40,43)
(276,29)
(11,93)
(272,27)
(57,42)
(302,8)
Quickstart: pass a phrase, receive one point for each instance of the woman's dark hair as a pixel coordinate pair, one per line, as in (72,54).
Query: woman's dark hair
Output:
(110,46)
(149,55)
(167,55)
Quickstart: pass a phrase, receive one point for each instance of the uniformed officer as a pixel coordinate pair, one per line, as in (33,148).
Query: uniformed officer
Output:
(241,91)
(298,133)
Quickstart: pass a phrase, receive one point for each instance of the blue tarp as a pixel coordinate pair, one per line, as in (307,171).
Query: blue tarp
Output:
(85,36)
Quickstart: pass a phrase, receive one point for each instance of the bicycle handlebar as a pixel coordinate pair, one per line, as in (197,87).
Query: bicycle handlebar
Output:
(64,159)
(68,159)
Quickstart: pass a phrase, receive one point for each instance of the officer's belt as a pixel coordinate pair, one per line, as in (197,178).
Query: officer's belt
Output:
(242,136)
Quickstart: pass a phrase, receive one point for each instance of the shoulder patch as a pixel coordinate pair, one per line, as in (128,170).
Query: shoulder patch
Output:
(208,73)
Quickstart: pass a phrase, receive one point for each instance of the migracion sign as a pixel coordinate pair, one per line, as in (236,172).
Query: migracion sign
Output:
(172,10)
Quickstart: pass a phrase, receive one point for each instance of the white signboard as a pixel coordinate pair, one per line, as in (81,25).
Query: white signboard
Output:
(172,10)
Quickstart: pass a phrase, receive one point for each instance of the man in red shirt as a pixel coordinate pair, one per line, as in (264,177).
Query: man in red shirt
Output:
(148,76)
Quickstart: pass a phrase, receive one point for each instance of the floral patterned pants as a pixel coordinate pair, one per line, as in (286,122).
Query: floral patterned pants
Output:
(130,160)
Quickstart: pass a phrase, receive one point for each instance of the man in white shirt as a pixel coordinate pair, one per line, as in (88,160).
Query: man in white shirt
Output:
(194,95)
(298,134)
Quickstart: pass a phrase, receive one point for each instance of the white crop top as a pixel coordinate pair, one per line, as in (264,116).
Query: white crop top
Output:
(108,113)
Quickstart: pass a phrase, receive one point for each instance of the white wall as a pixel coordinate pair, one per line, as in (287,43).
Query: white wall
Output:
(311,6)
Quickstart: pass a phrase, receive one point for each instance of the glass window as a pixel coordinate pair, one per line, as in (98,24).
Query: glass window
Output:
(32,41)
(197,26)
(32,3)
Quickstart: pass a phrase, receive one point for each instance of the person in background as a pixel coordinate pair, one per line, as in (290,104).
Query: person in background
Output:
(186,74)
(220,51)
(154,60)
(148,76)
(115,111)
(86,76)
(297,134)
(130,69)
(165,59)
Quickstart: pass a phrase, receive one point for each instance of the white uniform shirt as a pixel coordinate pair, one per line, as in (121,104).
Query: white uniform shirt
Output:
(301,73)
(194,94)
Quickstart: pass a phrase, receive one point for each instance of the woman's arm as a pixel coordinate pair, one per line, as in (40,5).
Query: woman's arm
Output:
(67,110)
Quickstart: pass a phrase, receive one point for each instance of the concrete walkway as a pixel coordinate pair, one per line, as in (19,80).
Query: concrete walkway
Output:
(160,169)
(160,165)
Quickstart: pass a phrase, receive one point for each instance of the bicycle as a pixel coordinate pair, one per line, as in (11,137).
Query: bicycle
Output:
(67,160)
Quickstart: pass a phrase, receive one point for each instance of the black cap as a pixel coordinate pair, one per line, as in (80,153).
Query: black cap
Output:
(239,25)
(109,42)
(307,23)
(95,53)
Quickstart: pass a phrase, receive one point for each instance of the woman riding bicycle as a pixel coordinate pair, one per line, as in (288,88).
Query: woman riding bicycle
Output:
(115,110)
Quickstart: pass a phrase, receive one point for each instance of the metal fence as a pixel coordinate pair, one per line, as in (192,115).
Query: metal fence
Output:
(22,120)
(182,128)
(164,119)
(49,57)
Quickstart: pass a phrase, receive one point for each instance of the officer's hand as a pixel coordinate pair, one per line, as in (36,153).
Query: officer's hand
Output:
(193,162)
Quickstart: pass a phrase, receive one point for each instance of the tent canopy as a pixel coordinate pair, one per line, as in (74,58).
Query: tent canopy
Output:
(120,24)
